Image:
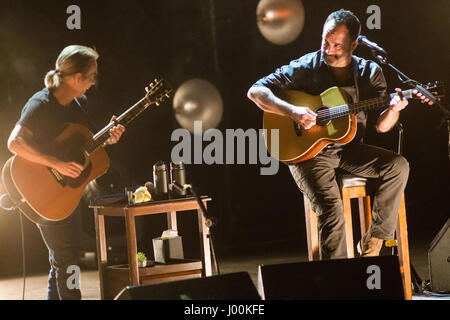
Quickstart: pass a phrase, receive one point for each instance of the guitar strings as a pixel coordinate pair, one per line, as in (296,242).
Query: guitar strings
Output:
(338,111)
(355,106)
(103,135)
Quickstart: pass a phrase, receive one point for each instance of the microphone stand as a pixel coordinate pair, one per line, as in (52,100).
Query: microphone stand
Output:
(210,222)
(415,85)
(416,280)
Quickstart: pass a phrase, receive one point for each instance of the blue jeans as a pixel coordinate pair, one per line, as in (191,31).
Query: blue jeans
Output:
(62,239)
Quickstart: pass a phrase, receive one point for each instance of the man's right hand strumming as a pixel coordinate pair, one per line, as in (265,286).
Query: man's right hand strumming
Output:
(70,169)
(304,116)
(18,144)
(265,99)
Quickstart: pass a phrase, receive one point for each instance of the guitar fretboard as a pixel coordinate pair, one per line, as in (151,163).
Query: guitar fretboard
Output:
(124,119)
(327,114)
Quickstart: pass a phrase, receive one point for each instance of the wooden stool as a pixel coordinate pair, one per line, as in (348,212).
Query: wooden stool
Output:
(355,187)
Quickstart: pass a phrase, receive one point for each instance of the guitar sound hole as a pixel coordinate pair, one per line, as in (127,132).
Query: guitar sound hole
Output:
(76,182)
(323,116)
(71,182)
(72,154)
(323,119)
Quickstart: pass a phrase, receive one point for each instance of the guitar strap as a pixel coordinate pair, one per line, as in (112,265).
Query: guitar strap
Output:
(91,125)
(355,77)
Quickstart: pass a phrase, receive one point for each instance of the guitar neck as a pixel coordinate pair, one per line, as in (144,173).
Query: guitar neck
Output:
(328,114)
(124,119)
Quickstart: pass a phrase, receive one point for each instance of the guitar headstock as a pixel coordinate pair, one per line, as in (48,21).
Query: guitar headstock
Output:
(433,91)
(157,91)
(437,89)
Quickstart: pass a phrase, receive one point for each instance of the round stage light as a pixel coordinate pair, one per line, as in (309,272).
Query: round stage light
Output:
(280,21)
(198,100)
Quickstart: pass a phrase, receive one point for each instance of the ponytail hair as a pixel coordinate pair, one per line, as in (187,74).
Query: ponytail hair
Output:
(73,59)
(52,79)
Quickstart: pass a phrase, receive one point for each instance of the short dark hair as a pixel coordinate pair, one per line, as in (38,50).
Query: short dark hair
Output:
(347,18)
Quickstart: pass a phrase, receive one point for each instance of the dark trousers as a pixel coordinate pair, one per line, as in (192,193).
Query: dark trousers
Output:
(317,180)
(62,239)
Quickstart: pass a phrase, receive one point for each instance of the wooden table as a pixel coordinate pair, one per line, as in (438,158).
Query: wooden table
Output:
(114,278)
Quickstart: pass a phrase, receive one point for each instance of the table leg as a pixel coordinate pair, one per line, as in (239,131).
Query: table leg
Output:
(131,248)
(204,244)
(101,248)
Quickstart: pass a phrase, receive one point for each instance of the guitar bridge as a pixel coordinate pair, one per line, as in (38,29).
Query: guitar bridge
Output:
(59,177)
(297,129)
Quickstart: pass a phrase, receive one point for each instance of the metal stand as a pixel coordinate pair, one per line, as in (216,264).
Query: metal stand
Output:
(210,222)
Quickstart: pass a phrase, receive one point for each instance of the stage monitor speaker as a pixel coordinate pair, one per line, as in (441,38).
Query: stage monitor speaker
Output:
(439,260)
(233,286)
(340,279)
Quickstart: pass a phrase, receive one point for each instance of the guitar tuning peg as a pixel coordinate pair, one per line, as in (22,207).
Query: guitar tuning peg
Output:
(157,103)
(167,95)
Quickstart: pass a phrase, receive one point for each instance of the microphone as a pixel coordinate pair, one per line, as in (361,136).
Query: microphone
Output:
(362,40)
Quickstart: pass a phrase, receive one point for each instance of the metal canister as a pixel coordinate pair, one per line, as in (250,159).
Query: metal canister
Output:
(178,176)
(161,180)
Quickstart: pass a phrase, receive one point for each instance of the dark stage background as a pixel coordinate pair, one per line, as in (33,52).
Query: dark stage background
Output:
(218,41)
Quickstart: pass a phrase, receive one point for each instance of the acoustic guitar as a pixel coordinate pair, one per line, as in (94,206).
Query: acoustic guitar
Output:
(335,122)
(42,193)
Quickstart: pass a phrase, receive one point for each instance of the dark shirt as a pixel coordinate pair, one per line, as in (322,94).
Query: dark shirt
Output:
(312,75)
(46,118)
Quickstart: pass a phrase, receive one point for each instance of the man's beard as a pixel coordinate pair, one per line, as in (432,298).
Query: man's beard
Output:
(331,57)
(333,60)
